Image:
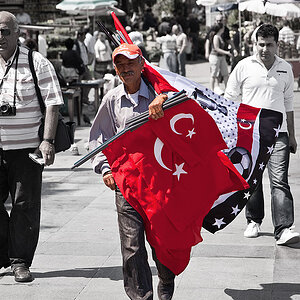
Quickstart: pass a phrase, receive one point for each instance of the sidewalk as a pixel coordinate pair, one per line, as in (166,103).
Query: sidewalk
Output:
(78,256)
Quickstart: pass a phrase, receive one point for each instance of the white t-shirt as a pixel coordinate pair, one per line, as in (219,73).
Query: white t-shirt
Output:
(253,84)
(168,43)
(134,98)
(90,42)
(103,50)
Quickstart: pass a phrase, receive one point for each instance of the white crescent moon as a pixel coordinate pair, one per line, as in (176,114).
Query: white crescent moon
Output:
(178,117)
(244,127)
(158,145)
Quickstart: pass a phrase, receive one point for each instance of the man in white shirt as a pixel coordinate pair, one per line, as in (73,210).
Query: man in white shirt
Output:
(90,41)
(266,81)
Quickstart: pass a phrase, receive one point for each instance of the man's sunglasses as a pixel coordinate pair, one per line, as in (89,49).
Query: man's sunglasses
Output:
(5,31)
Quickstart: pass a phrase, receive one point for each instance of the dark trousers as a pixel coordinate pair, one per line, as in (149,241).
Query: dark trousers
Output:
(136,270)
(85,91)
(21,178)
(282,205)
(181,57)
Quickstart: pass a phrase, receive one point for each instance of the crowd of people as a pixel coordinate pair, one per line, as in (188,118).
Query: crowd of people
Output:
(86,55)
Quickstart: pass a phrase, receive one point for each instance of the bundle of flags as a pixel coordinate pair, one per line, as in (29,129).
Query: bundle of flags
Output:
(195,167)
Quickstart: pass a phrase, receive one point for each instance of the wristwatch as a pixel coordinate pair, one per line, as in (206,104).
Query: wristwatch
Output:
(50,141)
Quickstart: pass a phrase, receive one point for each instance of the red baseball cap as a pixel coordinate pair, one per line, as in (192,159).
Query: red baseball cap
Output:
(131,51)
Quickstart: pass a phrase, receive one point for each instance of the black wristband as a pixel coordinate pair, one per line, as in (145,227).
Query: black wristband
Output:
(50,141)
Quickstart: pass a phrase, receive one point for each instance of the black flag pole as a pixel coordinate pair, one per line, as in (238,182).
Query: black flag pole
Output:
(116,43)
(108,33)
(133,124)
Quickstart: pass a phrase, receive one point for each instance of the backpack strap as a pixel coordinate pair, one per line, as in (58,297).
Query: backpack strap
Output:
(37,88)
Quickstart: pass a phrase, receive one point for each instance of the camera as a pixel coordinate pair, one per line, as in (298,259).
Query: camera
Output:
(7,110)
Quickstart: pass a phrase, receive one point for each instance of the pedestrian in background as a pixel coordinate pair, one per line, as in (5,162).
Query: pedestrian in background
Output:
(103,55)
(20,118)
(193,33)
(181,44)
(266,81)
(89,42)
(217,60)
(168,58)
(286,34)
(23,17)
(82,50)
(72,64)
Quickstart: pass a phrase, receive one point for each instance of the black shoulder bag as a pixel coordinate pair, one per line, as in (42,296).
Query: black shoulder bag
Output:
(64,136)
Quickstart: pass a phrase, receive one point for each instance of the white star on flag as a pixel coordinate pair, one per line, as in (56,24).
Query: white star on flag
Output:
(261,166)
(247,195)
(235,210)
(270,149)
(191,133)
(179,170)
(219,222)
(255,181)
(277,131)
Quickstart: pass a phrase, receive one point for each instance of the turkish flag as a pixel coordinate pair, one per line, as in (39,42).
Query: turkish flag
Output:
(171,171)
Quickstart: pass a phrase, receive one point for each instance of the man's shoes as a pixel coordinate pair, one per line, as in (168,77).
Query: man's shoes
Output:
(22,274)
(288,236)
(252,230)
(165,290)
(74,150)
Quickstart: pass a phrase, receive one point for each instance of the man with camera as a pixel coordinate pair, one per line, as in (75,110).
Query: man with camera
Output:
(20,118)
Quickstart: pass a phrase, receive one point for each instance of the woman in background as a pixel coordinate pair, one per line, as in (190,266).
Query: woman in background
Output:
(217,58)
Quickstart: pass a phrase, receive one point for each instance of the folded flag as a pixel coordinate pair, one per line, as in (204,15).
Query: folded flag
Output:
(172,177)
(249,133)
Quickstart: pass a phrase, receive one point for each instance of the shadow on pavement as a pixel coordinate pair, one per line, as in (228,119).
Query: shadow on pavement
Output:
(113,273)
(269,291)
(263,233)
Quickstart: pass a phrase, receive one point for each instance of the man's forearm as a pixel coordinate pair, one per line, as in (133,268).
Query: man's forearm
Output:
(290,123)
(51,120)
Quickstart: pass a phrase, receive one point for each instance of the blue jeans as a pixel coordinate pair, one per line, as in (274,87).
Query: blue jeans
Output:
(136,270)
(21,178)
(281,198)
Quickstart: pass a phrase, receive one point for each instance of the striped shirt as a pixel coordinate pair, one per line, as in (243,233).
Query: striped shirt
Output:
(21,131)
(287,35)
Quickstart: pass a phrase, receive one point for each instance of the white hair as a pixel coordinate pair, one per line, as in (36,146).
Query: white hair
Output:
(14,20)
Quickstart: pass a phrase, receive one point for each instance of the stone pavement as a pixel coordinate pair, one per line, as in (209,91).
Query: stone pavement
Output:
(78,256)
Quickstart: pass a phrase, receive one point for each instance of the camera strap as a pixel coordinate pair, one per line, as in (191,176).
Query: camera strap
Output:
(16,58)
(35,80)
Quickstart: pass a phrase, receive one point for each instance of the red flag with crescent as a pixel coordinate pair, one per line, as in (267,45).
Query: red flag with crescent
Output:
(194,175)
(173,172)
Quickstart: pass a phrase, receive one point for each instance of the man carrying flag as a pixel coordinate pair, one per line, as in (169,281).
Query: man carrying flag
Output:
(119,105)
(162,174)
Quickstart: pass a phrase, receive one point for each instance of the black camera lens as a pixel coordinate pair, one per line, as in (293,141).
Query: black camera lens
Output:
(5,108)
